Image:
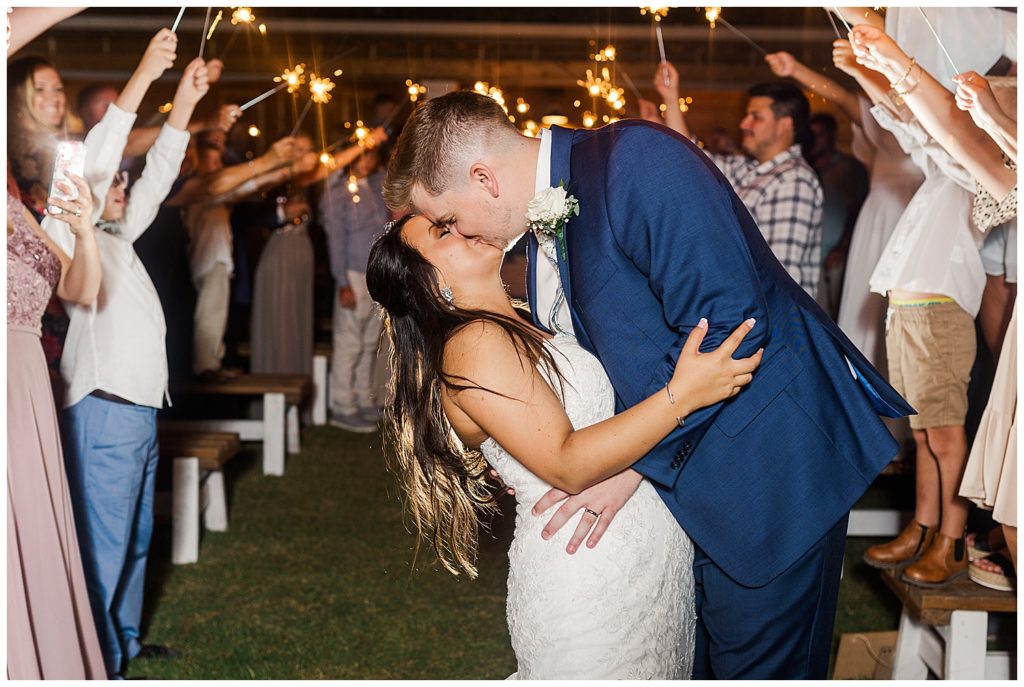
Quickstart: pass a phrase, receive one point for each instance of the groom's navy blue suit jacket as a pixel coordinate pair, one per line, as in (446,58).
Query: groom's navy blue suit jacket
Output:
(661,241)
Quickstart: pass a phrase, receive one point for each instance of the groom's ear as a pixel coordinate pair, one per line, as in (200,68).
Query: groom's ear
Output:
(482,176)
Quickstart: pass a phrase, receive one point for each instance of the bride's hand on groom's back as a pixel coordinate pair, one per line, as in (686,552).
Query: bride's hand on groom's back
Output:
(703,379)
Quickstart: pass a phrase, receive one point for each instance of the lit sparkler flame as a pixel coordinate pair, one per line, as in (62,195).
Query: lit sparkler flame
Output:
(656,11)
(415,90)
(607,54)
(242,15)
(293,77)
(320,88)
(712,14)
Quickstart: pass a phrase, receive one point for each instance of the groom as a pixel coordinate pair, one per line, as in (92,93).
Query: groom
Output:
(763,482)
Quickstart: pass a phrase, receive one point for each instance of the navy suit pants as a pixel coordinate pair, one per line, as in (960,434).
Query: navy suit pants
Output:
(781,631)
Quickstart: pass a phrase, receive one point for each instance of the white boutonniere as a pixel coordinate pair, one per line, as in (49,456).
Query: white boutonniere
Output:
(548,212)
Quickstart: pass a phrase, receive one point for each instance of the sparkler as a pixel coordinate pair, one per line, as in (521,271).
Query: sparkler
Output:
(832,21)
(320,88)
(938,40)
(712,14)
(298,122)
(213,27)
(263,30)
(629,82)
(181,12)
(292,78)
(842,19)
(414,89)
(656,11)
(242,15)
(261,97)
(742,35)
(605,55)
(206,25)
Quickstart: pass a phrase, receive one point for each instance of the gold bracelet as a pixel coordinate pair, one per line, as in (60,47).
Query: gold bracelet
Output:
(913,87)
(895,86)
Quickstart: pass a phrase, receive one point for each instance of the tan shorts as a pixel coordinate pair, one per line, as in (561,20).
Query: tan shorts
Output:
(931,350)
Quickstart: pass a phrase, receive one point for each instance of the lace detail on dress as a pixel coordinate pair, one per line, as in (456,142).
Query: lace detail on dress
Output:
(623,610)
(987,213)
(33,271)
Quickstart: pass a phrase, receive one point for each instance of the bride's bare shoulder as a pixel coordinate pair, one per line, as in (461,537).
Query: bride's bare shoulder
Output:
(483,351)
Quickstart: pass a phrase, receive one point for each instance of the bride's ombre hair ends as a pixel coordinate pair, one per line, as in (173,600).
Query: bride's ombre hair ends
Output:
(445,482)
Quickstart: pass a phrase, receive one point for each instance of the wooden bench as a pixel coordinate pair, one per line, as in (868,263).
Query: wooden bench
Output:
(278,429)
(321,370)
(197,486)
(945,631)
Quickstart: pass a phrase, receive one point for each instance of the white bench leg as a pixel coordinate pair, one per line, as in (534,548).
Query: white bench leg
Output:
(215,515)
(185,513)
(319,390)
(907,662)
(292,420)
(273,434)
(965,645)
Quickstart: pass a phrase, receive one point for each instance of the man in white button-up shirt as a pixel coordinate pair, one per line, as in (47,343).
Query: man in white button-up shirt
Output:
(115,366)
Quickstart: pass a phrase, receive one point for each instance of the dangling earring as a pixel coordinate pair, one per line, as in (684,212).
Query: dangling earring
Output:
(446,294)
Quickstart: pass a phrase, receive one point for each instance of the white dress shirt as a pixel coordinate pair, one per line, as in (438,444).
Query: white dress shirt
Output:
(548,281)
(935,245)
(117,344)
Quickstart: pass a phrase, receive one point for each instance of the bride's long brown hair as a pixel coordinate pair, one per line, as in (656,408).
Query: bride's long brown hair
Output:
(445,484)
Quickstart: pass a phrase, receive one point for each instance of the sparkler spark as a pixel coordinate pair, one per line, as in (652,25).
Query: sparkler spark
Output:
(293,77)
(320,88)
(242,15)
(254,131)
(415,90)
(605,55)
(712,14)
(656,11)
(263,30)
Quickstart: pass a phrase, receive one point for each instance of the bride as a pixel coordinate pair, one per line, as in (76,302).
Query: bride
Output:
(475,384)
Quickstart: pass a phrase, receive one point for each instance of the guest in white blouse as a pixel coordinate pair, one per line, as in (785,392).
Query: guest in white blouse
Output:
(115,366)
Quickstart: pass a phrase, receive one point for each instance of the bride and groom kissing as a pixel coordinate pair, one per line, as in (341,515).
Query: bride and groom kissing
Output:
(676,395)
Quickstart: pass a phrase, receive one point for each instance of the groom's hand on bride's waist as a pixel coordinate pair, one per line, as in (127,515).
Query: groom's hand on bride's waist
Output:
(600,504)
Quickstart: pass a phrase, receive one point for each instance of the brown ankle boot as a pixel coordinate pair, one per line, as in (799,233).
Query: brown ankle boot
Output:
(903,550)
(944,561)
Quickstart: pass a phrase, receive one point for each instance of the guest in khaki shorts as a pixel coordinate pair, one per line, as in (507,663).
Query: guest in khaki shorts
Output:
(931,345)
(931,350)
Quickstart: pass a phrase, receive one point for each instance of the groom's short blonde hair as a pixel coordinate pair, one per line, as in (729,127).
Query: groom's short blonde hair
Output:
(439,139)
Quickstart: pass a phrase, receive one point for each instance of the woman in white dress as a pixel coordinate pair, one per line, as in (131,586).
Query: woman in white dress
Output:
(474,384)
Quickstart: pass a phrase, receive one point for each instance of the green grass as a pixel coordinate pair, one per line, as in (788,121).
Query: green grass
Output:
(315,579)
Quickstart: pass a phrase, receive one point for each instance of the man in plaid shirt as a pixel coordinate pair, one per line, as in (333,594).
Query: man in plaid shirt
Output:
(776,184)
(779,188)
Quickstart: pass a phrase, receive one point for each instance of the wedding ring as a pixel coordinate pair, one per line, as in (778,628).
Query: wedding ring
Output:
(595,514)
(78,213)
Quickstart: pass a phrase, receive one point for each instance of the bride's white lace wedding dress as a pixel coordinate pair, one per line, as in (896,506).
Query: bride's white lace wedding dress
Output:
(623,609)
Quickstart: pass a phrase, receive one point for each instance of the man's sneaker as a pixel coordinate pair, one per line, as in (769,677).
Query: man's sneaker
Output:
(353,422)
(370,414)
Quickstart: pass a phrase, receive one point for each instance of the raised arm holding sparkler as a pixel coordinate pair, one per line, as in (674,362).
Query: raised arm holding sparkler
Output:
(935,108)
(666,80)
(786,66)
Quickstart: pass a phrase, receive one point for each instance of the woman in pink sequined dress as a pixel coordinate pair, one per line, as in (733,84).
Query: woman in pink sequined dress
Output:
(50,630)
